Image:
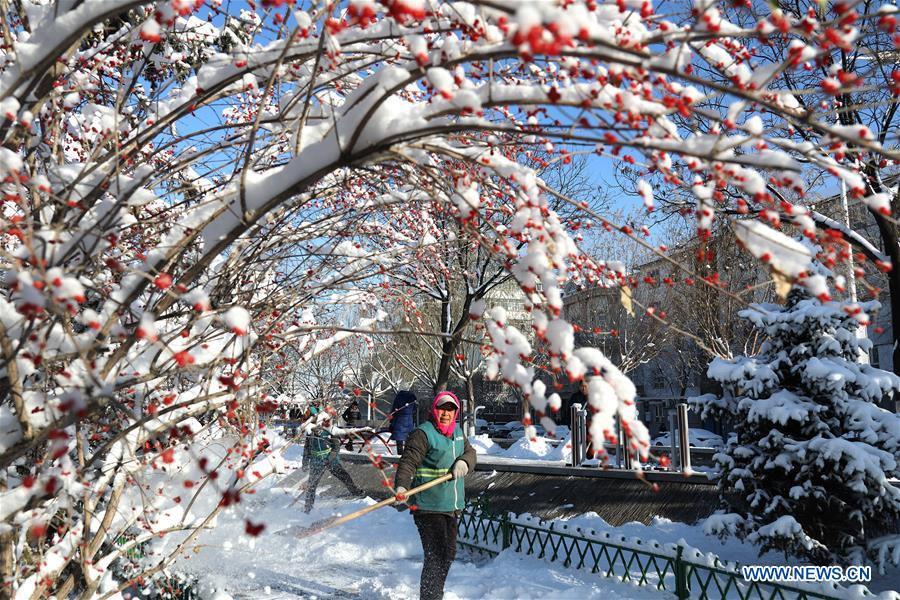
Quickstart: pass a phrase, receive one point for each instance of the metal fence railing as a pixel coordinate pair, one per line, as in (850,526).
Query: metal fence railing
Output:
(672,568)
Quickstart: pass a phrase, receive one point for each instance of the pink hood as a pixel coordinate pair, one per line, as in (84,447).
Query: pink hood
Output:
(442,398)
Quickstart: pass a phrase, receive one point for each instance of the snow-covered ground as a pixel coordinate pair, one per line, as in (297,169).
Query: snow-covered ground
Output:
(376,556)
(379,556)
(732,550)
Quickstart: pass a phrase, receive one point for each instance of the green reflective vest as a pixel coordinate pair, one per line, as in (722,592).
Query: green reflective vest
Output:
(320,446)
(442,453)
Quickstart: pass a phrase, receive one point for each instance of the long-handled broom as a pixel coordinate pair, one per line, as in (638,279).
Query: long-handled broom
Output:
(324,524)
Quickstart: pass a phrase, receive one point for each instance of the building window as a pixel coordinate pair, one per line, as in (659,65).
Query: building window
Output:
(659,412)
(658,382)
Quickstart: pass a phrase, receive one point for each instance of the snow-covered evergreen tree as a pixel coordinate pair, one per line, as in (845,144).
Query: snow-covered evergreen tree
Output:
(810,471)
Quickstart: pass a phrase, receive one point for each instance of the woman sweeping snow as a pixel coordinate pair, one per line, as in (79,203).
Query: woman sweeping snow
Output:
(433,449)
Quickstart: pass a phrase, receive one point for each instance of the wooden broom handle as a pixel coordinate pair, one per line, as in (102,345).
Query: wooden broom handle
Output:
(388,501)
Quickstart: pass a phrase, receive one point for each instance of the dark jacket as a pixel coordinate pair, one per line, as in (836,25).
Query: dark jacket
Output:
(414,456)
(352,414)
(402,415)
(565,417)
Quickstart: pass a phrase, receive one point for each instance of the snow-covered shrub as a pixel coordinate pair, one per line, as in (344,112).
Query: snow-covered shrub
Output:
(809,473)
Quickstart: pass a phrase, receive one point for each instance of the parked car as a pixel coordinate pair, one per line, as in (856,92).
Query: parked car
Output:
(697,438)
(562,431)
(492,428)
(481,426)
(520,432)
(502,430)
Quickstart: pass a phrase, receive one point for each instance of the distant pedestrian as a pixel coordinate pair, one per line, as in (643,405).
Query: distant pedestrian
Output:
(351,417)
(284,413)
(402,412)
(435,448)
(352,414)
(579,397)
(292,415)
(313,409)
(322,453)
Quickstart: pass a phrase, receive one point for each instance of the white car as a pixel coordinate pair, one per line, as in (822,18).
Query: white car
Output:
(481,426)
(697,438)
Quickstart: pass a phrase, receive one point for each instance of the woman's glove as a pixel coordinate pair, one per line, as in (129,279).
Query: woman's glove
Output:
(400,495)
(460,469)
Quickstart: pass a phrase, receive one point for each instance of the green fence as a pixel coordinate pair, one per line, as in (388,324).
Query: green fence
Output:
(667,567)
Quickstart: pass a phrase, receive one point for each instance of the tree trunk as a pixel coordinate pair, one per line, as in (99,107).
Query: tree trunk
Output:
(889,237)
(448,349)
(7,558)
(894,289)
(7,561)
(451,344)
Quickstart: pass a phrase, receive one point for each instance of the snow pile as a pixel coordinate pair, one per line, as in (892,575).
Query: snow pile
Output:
(483,444)
(541,448)
(525,448)
(731,550)
(562,451)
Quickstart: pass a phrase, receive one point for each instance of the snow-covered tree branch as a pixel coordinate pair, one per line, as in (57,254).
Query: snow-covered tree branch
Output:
(190,190)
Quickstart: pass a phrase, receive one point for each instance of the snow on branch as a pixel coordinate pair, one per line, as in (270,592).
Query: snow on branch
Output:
(201,200)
